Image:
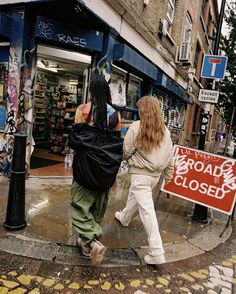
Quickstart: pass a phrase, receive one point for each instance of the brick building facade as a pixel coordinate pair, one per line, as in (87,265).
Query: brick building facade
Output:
(141,46)
(181,31)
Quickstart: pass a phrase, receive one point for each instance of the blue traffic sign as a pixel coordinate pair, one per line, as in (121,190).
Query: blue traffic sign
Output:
(214,66)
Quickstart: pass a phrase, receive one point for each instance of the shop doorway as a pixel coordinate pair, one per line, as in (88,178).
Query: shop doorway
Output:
(61,85)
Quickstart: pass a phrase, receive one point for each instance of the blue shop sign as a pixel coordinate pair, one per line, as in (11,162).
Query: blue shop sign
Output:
(172,87)
(129,58)
(68,35)
(5,25)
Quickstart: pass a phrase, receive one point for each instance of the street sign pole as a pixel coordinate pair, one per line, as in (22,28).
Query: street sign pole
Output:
(200,212)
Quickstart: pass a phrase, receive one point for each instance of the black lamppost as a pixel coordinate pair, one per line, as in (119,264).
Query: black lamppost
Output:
(15,215)
(200,212)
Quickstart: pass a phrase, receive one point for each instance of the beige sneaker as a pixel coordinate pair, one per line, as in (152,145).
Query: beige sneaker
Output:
(149,259)
(84,248)
(97,252)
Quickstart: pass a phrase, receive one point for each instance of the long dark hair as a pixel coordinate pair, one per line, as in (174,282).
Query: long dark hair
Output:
(100,97)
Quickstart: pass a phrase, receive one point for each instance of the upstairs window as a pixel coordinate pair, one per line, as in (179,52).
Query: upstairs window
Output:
(170,15)
(186,44)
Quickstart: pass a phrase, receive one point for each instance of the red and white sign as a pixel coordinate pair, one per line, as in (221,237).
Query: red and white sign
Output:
(203,178)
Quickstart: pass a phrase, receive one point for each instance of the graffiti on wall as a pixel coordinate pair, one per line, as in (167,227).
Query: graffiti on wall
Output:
(19,102)
(174,115)
(25,99)
(12,92)
(20,76)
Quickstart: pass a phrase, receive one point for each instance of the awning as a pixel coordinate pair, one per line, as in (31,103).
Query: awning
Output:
(172,87)
(65,34)
(125,55)
(5,26)
(4,53)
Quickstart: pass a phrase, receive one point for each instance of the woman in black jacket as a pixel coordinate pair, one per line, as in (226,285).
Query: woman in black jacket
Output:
(97,122)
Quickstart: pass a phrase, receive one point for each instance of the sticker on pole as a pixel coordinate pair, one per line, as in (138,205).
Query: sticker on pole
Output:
(208,96)
(203,178)
(214,66)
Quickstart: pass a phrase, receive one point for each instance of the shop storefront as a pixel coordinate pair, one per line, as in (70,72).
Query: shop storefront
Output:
(173,100)
(60,87)
(51,58)
(131,77)
(50,63)
(61,84)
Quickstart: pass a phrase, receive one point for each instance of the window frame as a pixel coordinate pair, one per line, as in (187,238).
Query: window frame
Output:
(185,51)
(128,78)
(170,18)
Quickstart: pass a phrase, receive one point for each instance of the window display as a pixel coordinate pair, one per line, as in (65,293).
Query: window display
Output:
(125,90)
(58,91)
(3,80)
(118,87)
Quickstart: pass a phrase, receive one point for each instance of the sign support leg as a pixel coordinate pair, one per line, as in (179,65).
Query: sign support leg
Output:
(229,221)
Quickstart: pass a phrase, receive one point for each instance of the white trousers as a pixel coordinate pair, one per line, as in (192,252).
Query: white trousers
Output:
(140,198)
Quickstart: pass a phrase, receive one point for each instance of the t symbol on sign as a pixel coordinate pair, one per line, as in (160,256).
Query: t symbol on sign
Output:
(214,62)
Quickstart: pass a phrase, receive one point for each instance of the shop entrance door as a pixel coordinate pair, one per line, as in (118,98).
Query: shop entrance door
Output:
(60,86)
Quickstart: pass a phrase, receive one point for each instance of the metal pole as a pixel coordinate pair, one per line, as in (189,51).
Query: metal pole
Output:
(15,216)
(219,27)
(200,212)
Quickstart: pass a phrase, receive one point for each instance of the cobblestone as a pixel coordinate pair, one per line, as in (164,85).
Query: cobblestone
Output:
(216,278)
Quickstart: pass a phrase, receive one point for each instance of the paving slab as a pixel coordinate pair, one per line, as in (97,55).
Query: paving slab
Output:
(210,237)
(49,234)
(43,251)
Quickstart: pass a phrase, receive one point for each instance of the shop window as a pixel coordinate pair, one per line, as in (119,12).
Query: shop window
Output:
(125,90)
(134,91)
(118,86)
(170,15)
(3,80)
(60,86)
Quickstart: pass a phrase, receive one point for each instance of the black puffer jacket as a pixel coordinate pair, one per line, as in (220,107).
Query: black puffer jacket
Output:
(98,155)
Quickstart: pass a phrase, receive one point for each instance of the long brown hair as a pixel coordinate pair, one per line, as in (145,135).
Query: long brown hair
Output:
(152,127)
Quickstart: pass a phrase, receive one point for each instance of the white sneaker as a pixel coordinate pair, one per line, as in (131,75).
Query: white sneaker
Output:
(118,217)
(97,252)
(159,259)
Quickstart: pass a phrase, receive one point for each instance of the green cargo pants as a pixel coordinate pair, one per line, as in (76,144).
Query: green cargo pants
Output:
(88,209)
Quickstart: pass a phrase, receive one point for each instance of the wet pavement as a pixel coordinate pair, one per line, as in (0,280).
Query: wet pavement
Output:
(49,234)
(43,257)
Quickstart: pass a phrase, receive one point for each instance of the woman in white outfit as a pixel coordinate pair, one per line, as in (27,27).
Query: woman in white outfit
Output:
(148,150)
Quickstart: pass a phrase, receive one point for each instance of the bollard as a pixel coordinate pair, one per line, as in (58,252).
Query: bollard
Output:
(200,214)
(15,216)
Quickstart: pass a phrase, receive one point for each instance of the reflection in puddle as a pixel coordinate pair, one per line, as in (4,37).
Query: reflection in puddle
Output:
(36,209)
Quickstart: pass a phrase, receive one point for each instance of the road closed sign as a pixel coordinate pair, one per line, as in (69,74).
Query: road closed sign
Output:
(203,178)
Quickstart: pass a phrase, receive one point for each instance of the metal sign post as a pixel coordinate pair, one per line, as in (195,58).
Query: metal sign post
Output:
(213,67)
